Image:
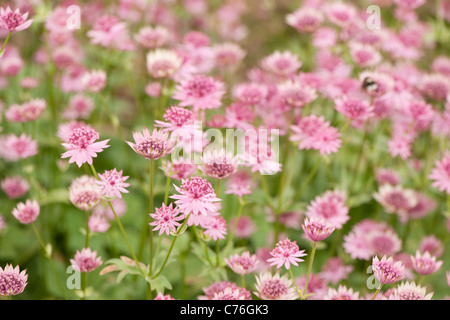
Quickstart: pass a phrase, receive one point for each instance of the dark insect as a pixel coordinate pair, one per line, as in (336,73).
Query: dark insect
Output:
(369,85)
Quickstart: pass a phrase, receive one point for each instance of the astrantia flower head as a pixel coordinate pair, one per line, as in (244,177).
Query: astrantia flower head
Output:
(242,264)
(441,174)
(15,187)
(250,93)
(218,164)
(395,199)
(166,219)
(84,192)
(317,229)
(281,63)
(82,147)
(112,183)
(98,223)
(86,260)
(331,208)
(215,227)
(425,263)
(387,176)
(14,20)
(200,92)
(295,94)
(228,55)
(152,146)
(216,287)
(364,55)
(410,291)
(354,109)
(177,118)
(432,245)
(231,293)
(436,86)
(12,280)
(26,212)
(94,81)
(151,38)
(161,296)
(162,63)
(305,19)
(178,169)
(342,293)
(14,148)
(239,184)
(387,271)
(196,195)
(335,270)
(286,253)
(274,287)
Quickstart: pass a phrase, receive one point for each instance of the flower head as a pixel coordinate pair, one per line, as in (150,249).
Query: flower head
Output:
(26,212)
(342,293)
(317,229)
(161,296)
(15,187)
(162,63)
(84,192)
(152,146)
(441,174)
(305,20)
(425,263)
(14,20)
(215,227)
(112,183)
(12,280)
(81,146)
(94,81)
(242,264)
(98,223)
(286,253)
(387,271)
(239,184)
(218,164)
(14,148)
(331,208)
(410,291)
(86,260)
(232,293)
(335,271)
(166,219)
(274,287)
(281,63)
(395,199)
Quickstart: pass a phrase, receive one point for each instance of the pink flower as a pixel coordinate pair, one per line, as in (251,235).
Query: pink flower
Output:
(65,129)
(152,146)
(274,287)
(166,219)
(15,187)
(395,199)
(98,223)
(29,111)
(432,245)
(386,176)
(218,164)
(441,174)
(14,20)
(196,196)
(80,107)
(177,118)
(316,286)
(250,93)
(12,280)
(14,148)
(341,14)
(242,264)
(26,212)
(112,183)
(178,169)
(316,229)
(342,293)
(331,208)
(81,146)
(354,109)
(386,271)
(245,227)
(409,291)
(436,86)
(239,184)
(94,81)
(162,63)
(108,31)
(228,55)
(335,271)
(425,263)
(151,38)
(376,84)
(231,293)
(161,296)
(84,193)
(86,260)
(216,228)
(153,89)
(295,94)
(364,55)
(287,253)
(216,288)
(281,63)
(200,92)
(104,210)
(305,19)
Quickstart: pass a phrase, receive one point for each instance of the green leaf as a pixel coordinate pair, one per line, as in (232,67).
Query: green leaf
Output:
(60,195)
(159,284)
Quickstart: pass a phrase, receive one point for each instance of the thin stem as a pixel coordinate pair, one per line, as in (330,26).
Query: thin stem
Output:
(307,181)
(311,259)
(151,209)
(86,243)
(171,247)
(243,281)
(295,284)
(376,292)
(236,221)
(166,194)
(217,253)
(5,43)
(358,161)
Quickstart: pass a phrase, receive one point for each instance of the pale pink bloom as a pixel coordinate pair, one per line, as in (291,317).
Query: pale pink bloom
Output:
(86,260)
(162,63)
(151,38)
(387,271)
(228,55)
(56,20)
(281,63)
(395,199)
(305,19)
(316,285)
(424,263)
(286,253)
(316,229)
(231,293)
(425,205)
(12,63)
(33,109)
(80,107)
(98,223)
(376,83)
(94,81)
(354,109)
(15,187)
(385,243)
(341,14)
(296,94)
(153,89)
(65,129)
(178,169)
(342,293)
(324,37)
(441,174)
(196,39)
(29,82)
(112,183)
(410,4)
(104,210)
(400,145)
(409,291)
(109,31)
(245,227)
(196,196)
(240,116)
(250,93)
(215,227)
(216,288)
(387,176)
(364,55)
(242,264)
(84,192)
(14,148)
(161,296)
(26,212)
(72,79)
(81,146)
(436,86)
(14,20)
(200,92)
(66,56)
(441,65)
(239,184)
(432,245)
(12,280)
(274,287)
(177,118)
(331,208)
(166,219)
(152,146)
(219,164)
(15,114)
(334,271)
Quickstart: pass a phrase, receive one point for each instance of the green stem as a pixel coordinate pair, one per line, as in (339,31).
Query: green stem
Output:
(307,181)
(243,281)
(166,194)
(358,161)
(376,292)
(236,221)
(151,209)
(295,284)
(5,43)
(217,252)
(311,259)
(86,244)
(171,247)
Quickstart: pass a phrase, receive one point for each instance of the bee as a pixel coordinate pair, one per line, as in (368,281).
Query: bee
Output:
(369,85)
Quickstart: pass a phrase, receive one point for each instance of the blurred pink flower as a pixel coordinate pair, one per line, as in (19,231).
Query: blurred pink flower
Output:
(242,264)
(341,293)
(86,260)
(425,263)
(15,187)
(274,287)
(26,212)
(84,192)
(441,174)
